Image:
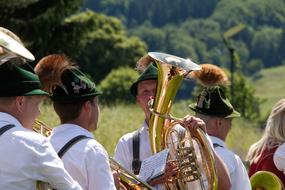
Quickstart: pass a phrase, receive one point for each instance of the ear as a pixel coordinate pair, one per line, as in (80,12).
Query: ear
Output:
(86,107)
(19,103)
(218,122)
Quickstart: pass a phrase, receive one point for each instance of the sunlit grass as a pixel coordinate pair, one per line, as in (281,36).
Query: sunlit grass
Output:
(120,119)
(270,86)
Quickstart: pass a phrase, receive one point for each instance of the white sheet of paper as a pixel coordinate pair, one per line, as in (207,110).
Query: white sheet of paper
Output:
(153,166)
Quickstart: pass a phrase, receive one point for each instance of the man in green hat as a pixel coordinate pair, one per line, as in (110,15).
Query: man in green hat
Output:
(26,156)
(217,112)
(134,147)
(75,100)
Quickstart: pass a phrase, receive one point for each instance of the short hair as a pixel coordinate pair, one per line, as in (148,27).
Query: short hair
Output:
(4,101)
(69,111)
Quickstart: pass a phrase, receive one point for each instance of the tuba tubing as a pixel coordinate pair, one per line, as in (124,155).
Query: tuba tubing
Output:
(171,71)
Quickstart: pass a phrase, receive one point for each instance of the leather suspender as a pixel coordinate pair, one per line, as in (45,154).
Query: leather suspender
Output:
(70,143)
(136,164)
(6,128)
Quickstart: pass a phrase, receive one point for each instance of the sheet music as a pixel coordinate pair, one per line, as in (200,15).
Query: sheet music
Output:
(153,166)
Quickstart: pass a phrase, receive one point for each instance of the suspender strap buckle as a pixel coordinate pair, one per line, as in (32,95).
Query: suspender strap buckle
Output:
(136,164)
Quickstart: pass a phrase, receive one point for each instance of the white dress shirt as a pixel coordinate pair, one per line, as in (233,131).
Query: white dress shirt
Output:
(87,161)
(26,157)
(279,158)
(237,171)
(124,151)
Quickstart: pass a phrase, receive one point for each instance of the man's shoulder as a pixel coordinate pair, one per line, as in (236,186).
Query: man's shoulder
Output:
(231,159)
(92,146)
(128,136)
(225,152)
(29,136)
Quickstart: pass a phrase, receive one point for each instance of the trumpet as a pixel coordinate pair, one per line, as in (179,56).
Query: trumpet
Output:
(41,128)
(11,48)
(128,180)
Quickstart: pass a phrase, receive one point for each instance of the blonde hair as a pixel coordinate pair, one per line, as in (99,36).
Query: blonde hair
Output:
(274,133)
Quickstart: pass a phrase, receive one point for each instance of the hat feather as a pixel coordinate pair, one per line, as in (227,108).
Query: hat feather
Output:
(210,75)
(143,63)
(50,68)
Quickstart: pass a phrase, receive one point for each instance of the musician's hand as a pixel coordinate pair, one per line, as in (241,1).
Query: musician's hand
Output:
(118,184)
(193,123)
(170,171)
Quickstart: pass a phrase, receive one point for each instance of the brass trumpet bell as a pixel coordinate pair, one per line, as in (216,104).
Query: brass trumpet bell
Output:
(11,48)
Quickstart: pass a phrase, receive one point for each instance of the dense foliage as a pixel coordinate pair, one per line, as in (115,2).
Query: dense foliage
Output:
(116,85)
(187,28)
(94,41)
(193,28)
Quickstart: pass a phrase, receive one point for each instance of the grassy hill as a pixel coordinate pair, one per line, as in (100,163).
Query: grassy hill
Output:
(270,85)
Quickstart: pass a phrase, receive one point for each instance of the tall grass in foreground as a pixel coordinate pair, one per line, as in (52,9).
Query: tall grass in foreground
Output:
(120,119)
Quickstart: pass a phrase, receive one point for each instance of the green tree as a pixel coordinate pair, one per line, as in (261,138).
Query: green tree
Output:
(242,94)
(269,13)
(244,99)
(266,45)
(116,86)
(98,43)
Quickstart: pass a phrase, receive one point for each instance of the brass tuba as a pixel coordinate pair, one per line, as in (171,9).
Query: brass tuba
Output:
(171,71)
(265,180)
(10,48)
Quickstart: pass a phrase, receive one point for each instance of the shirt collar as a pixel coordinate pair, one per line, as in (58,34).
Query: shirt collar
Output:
(218,141)
(9,119)
(144,127)
(71,129)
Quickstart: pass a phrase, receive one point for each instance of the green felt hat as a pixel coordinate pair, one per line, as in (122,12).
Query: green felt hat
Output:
(212,101)
(150,73)
(17,81)
(76,87)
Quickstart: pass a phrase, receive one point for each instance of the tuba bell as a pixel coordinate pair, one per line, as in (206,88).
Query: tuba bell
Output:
(265,180)
(11,48)
(164,134)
